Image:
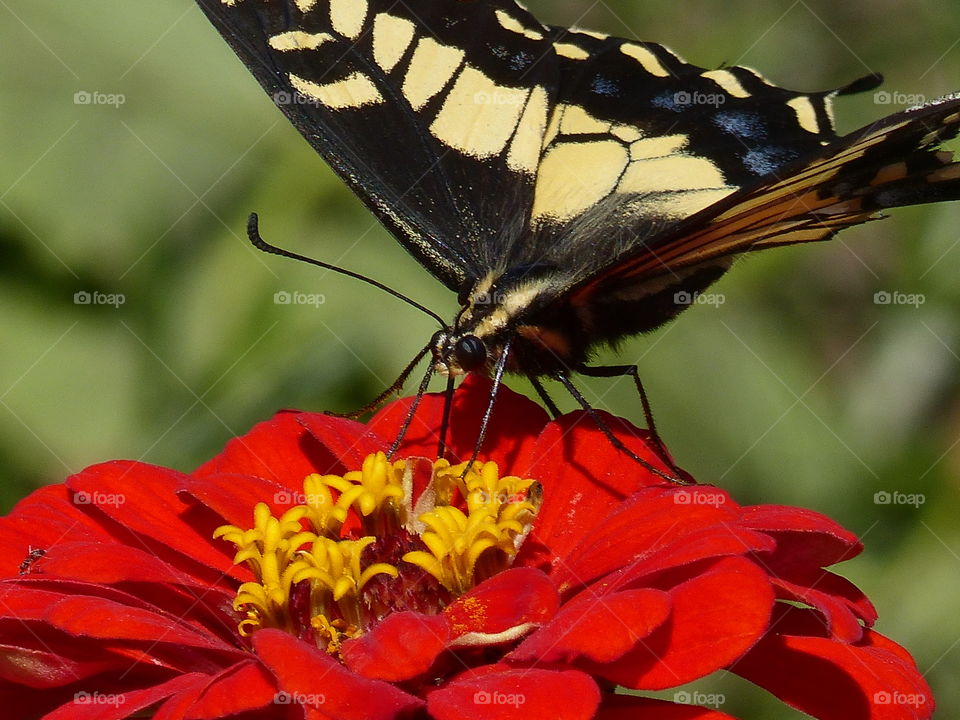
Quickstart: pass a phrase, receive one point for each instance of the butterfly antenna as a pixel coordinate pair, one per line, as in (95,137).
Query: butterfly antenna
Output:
(253,233)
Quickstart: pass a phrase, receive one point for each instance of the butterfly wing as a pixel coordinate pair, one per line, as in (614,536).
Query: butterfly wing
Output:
(483,139)
(892,163)
(435,128)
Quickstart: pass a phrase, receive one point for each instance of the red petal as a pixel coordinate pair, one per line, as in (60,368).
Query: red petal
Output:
(103,619)
(526,694)
(41,520)
(111,563)
(324,687)
(842,603)
(242,687)
(400,647)
(580,495)
(116,706)
(233,497)
(508,600)
(717,616)
(599,628)
(805,539)
(640,528)
(349,441)
(513,427)
(143,499)
(831,680)
(283,450)
(628,707)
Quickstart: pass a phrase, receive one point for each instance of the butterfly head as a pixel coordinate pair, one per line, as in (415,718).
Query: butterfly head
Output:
(494,311)
(458,353)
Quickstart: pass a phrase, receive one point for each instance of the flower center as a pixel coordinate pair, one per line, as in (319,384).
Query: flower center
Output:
(385,538)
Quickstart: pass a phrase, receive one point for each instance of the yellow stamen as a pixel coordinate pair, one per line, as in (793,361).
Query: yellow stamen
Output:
(471,523)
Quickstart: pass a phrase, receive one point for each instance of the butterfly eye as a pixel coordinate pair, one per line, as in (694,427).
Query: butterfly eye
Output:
(470,351)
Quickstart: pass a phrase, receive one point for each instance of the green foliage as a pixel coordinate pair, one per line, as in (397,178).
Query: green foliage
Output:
(798,389)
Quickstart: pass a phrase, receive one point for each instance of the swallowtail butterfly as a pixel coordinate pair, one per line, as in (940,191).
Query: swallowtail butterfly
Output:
(572,188)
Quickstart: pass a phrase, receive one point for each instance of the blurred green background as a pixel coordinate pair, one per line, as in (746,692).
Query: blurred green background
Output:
(798,389)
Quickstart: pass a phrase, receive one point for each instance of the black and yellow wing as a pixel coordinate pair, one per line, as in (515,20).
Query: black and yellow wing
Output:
(489,143)
(892,163)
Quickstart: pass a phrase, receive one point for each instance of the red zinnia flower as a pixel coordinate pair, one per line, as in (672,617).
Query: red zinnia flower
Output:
(371,589)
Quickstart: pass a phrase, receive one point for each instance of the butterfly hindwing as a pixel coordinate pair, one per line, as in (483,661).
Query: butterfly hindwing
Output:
(892,163)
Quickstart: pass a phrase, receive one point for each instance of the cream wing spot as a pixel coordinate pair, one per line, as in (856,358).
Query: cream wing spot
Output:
(553,127)
(578,121)
(568,50)
(685,204)
(354,91)
(657,146)
(508,22)
(806,114)
(728,82)
(305,5)
(299,40)
(573,176)
(648,61)
(431,67)
(671,173)
(525,147)
(478,116)
(627,133)
(347,16)
(391,37)
(591,33)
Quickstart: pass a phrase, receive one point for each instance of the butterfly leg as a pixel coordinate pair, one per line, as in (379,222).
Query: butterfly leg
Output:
(542,392)
(677,478)
(411,412)
(498,371)
(631,370)
(395,387)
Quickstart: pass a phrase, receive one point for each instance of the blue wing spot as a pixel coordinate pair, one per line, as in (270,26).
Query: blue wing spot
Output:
(605,86)
(521,61)
(741,124)
(763,161)
(668,101)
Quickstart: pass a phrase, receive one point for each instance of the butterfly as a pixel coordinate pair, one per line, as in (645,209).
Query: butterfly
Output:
(574,189)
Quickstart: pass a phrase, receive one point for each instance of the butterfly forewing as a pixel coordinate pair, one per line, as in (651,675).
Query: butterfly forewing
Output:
(436,129)
(485,141)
